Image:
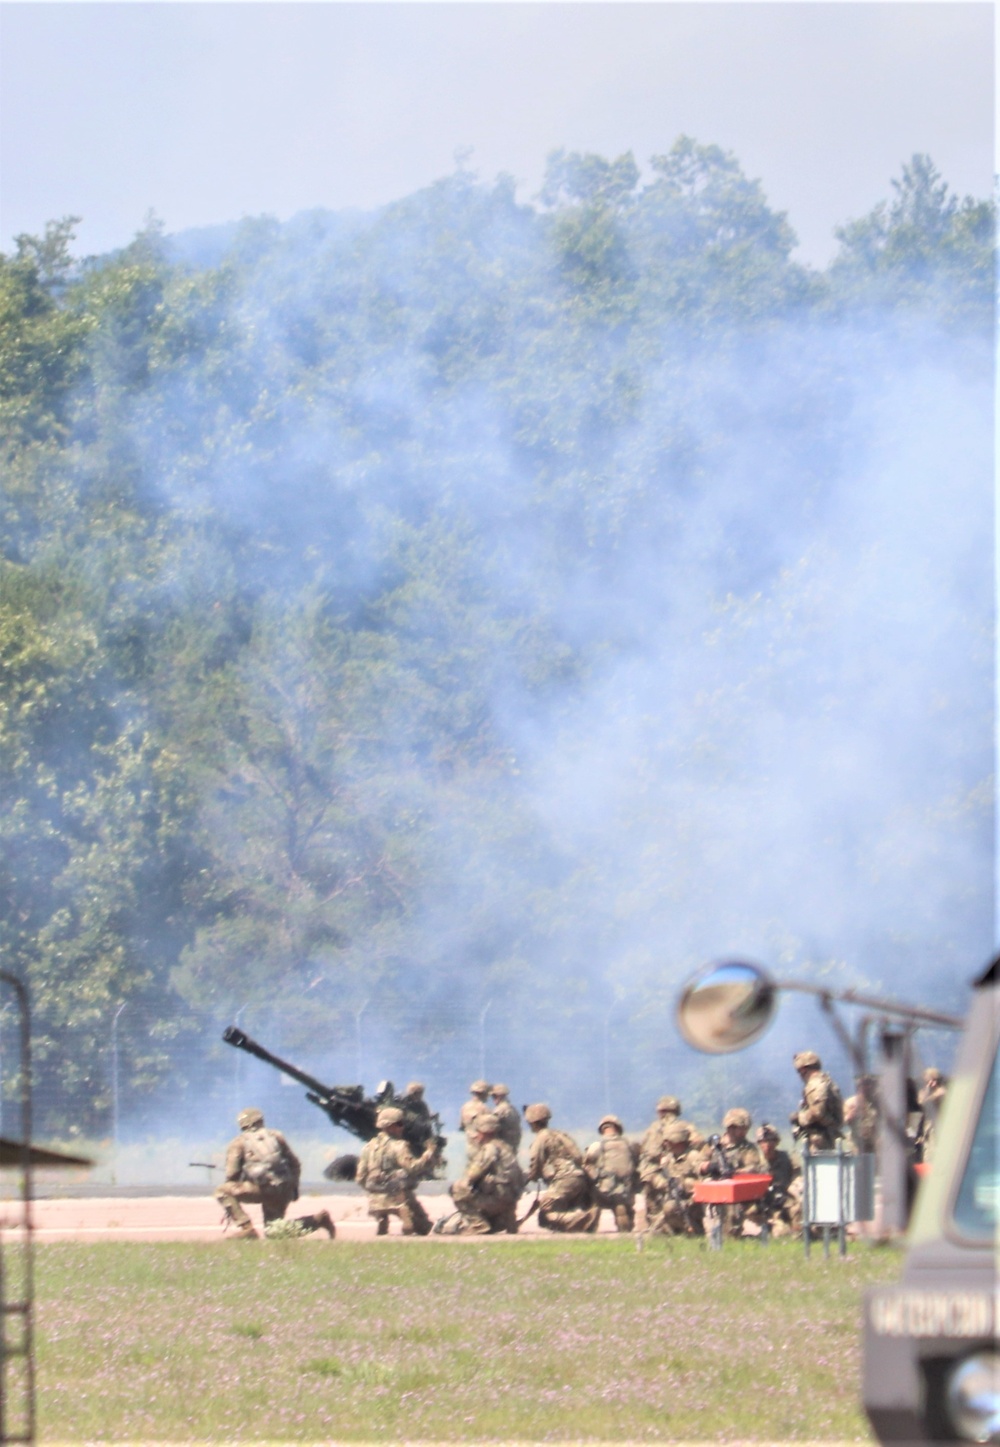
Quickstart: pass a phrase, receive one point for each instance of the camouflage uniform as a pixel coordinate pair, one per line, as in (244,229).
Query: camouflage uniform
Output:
(413,1097)
(929,1098)
(735,1153)
(672,1177)
(475,1106)
(509,1122)
(262,1169)
(611,1164)
(861,1117)
(668,1108)
(555,1158)
(388,1170)
(820,1116)
(781,1208)
(486,1195)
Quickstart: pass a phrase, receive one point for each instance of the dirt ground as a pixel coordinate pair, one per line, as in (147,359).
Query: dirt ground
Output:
(199,1218)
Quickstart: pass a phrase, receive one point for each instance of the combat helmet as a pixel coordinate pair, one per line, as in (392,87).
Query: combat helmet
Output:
(807,1060)
(250,1118)
(678,1131)
(610,1120)
(768,1132)
(537,1114)
(415,1087)
(668,1105)
(388,1115)
(502,1090)
(736,1116)
(479,1087)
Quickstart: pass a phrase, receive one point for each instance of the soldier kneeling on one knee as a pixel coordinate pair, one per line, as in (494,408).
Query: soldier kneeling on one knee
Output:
(670,1178)
(565,1203)
(611,1164)
(262,1169)
(486,1195)
(389,1171)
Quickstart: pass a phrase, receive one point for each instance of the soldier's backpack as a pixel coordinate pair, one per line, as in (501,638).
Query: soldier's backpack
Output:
(265,1162)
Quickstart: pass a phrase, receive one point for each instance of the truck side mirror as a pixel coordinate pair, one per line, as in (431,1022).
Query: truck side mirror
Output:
(728,1005)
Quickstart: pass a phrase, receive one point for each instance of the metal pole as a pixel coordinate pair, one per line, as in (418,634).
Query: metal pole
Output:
(3,1011)
(607,1067)
(359,1073)
(482,1039)
(114,1091)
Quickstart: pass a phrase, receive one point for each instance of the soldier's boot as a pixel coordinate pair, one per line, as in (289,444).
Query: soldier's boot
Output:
(382,1228)
(246,1233)
(322,1221)
(624,1217)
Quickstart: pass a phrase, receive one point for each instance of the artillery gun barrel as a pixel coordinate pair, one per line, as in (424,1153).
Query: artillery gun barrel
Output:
(233,1036)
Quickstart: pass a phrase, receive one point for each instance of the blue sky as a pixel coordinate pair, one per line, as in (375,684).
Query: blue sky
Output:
(208,112)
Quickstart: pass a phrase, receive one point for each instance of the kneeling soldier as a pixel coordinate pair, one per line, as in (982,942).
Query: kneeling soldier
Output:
(780,1210)
(555,1158)
(389,1171)
(262,1169)
(671,1178)
(486,1195)
(611,1165)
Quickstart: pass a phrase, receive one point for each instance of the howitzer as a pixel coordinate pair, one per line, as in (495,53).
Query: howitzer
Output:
(349,1107)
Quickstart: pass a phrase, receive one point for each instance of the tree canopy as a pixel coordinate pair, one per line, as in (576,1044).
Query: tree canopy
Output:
(486,606)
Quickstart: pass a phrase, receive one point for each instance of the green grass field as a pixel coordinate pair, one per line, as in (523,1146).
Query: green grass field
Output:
(582,1339)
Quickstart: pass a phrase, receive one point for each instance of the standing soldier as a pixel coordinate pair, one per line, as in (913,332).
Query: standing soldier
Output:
(781,1208)
(555,1158)
(930,1097)
(819,1118)
(509,1122)
(672,1177)
(262,1169)
(389,1171)
(413,1098)
(486,1195)
(861,1116)
(611,1164)
(475,1106)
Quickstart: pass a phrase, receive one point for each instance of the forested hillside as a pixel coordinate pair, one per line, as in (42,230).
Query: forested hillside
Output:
(455,622)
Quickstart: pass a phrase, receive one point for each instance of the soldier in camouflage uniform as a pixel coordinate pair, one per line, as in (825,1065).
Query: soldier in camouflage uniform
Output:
(475,1106)
(861,1116)
(728,1153)
(781,1208)
(819,1118)
(413,1096)
(565,1204)
(262,1169)
(389,1171)
(930,1099)
(509,1120)
(611,1164)
(486,1195)
(668,1109)
(672,1177)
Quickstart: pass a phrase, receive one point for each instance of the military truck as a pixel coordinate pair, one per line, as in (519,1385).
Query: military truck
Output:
(931,1352)
(932,1359)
